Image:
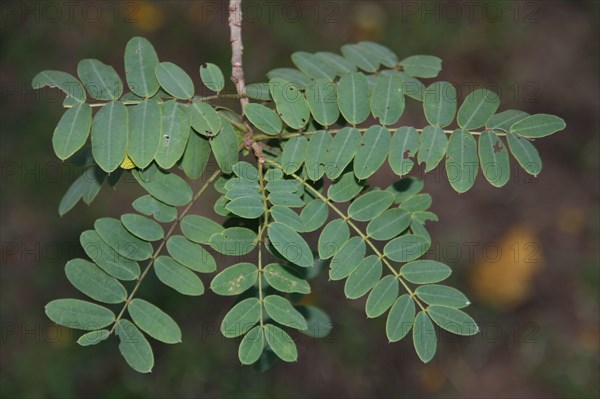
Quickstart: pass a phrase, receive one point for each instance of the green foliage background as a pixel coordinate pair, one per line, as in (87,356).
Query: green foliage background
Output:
(549,343)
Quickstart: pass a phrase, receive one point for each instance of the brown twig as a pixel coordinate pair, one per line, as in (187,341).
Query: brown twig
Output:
(237,71)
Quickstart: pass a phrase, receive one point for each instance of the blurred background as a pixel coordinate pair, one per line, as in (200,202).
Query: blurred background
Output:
(527,255)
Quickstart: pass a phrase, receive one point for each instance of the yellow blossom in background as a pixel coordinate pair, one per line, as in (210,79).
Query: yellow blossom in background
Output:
(148,16)
(504,281)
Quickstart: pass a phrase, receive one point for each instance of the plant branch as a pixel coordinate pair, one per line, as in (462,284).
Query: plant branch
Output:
(237,50)
(358,231)
(202,189)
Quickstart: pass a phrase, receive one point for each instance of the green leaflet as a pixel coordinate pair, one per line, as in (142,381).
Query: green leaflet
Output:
(93,282)
(72,131)
(191,255)
(537,126)
(288,217)
(199,228)
(382,296)
(294,76)
(347,259)
(204,119)
(241,318)
(312,66)
(140,62)
(63,81)
(363,278)
(284,279)
(235,279)
(440,104)
(134,347)
(416,203)
(412,87)
(107,258)
(314,215)
(174,80)
(400,319)
(174,135)
(477,108)
(72,196)
(246,171)
(404,145)
(283,312)
(164,186)
(406,188)
(286,199)
(424,338)
(370,205)
(247,207)
(281,343)
(154,322)
(422,66)
(361,57)
(321,96)
(93,337)
(225,148)
(142,227)
(373,151)
(525,153)
(145,129)
(294,154)
(432,147)
(263,118)
(406,248)
(212,77)
(387,99)
(332,238)
(150,206)
(258,91)
(341,151)
(345,188)
(425,271)
(435,294)
(234,241)
(93,179)
(196,156)
(252,346)
(462,162)
(101,81)
(383,54)
(494,159)
(175,275)
(453,320)
(316,154)
(352,99)
(290,102)
(319,323)
(290,244)
(78,314)
(336,62)
(389,224)
(109,136)
(504,120)
(117,237)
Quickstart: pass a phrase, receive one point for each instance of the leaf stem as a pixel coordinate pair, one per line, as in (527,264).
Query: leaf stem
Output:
(135,102)
(365,238)
(260,240)
(202,189)
(262,137)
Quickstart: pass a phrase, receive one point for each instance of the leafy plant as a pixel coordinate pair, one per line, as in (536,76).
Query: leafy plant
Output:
(311,137)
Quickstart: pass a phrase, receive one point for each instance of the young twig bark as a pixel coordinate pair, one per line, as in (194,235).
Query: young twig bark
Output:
(237,70)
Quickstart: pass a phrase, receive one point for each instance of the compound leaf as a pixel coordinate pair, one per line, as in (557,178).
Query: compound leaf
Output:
(174,80)
(173,274)
(93,282)
(241,318)
(400,319)
(212,77)
(477,108)
(134,347)
(100,80)
(109,136)
(290,244)
(462,162)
